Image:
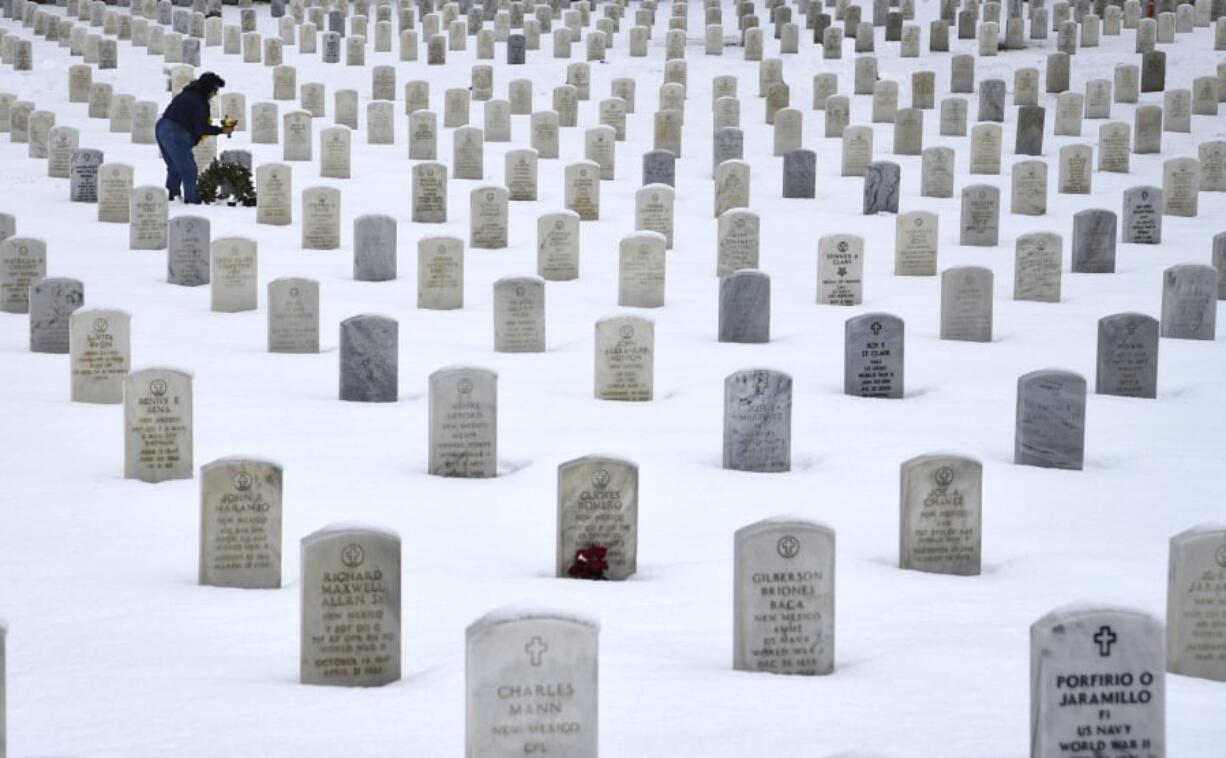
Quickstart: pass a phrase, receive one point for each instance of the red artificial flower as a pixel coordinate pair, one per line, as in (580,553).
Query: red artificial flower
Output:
(589,563)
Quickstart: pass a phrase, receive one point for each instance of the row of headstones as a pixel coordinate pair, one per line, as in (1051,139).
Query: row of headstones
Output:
(940,531)
(1050,420)
(1082,658)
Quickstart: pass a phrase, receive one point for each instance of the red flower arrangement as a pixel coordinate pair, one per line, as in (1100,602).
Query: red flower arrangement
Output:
(589,563)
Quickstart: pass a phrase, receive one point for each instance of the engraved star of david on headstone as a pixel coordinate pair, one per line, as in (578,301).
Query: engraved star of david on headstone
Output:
(1105,639)
(536,649)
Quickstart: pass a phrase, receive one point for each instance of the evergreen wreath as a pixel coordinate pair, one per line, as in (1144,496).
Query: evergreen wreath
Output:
(233,176)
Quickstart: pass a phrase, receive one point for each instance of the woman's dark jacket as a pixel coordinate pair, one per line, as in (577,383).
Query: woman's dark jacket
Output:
(190,110)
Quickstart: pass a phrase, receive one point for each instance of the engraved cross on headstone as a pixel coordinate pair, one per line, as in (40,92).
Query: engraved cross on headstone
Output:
(1105,639)
(876,328)
(536,648)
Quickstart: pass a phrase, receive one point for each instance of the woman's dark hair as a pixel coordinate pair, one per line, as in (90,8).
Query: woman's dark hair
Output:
(210,82)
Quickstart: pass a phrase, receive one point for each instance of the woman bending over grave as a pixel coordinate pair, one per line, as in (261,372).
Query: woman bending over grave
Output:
(184,124)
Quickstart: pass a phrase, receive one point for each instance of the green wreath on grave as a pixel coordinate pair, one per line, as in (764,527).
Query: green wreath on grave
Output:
(233,177)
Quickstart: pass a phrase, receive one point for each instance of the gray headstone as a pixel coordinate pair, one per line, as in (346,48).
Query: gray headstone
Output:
(1189,302)
(1195,601)
(519,315)
(1153,71)
(369,359)
(1143,215)
(1037,267)
(966,304)
(463,422)
(881,187)
(240,523)
(374,248)
(992,100)
(1219,263)
(1127,356)
(598,507)
(840,269)
(1030,120)
(23,261)
(758,420)
(188,251)
(52,302)
(659,167)
(1051,419)
(293,316)
(941,515)
(980,216)
(1097,683)
(873,356)
(99,345)
(83,175)
(776,559)
(744,307)
(1094,236)
(624,361)
(533,657)
(800,174)
(157,414)
(350,615)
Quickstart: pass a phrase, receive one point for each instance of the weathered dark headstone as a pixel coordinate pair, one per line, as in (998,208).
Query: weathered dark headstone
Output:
(369,358)
(744,306)
(1127,356)
(758,421)
(1051,420)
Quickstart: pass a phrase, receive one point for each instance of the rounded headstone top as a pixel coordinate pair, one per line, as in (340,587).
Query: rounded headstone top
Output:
(598,458)
(939,454)
(348,527)
(624,316)
(512,613)
(245,459)
(1053,372)
(458,368)
(362,316)
(783,520)
(1073,611)
(1202,530)
(162,367)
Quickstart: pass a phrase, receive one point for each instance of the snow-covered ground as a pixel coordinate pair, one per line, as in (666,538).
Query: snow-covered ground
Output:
(114,650)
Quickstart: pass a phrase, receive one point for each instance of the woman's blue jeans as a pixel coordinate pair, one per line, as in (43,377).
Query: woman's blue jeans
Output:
(176,144)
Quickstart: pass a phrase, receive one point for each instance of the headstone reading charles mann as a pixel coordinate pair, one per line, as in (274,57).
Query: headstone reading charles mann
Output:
(783,597)
(531,685)
(1097,684)
(598,512)
(350,598)
(240,523)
